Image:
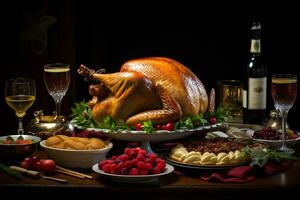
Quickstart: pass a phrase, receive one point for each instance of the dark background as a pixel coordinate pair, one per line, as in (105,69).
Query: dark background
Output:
(213,41)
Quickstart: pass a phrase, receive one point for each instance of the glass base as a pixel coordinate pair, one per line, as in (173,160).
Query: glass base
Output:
(286,149)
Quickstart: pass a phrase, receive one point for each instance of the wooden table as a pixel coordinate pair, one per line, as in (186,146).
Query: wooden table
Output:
(171,186)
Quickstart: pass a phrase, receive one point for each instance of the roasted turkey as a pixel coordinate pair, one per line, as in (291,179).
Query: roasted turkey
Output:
(156,88)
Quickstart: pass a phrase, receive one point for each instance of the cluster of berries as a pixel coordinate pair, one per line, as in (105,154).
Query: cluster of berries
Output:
(134,161)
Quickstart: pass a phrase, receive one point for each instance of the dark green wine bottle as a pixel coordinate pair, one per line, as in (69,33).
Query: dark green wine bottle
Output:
(255,82)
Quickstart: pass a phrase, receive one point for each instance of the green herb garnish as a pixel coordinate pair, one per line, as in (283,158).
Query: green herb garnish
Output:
(260,157)
(82,116)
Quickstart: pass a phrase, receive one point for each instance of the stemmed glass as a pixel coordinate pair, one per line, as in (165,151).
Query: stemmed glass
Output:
(284,92)
(57,80)
(19,95)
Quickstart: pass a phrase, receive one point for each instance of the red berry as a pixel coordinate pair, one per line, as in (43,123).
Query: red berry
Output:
(128,164)
(144,171)
(141,165)
(120,165)
(106,168)
(25,164)
(156,171)
(123,157)
(140,157)
(134,171)
(160,166)
(213,120)
(139,127)
(152,157)
(158,127)
(148,166)
(134,162)
(127,151)
(169,127)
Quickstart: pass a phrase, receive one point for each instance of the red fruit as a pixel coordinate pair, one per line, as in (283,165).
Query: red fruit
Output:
(106,168)
(25,164)
(213,120)
(169,127)
(113,158)
(123,157)
(160,167)
(158,127)
(134,171)
(156,171)
(141,165)
(148,166)
(37,165)
(120,165)
(128,164)
(143,152)
(132,155)
(152,157)
(35,159)
(127,151)
(48,166)
(140,157)
(139,127)
(113,168)
(134,162)
(144,171)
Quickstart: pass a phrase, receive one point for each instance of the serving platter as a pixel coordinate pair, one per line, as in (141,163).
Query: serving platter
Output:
(145,137)
(198,166)
(133,178)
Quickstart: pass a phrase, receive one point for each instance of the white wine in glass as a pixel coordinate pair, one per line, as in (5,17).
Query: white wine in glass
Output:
(57,80)
(19,95)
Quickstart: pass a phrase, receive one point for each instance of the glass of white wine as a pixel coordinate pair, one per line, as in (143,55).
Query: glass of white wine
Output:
(20,94)
(57,80)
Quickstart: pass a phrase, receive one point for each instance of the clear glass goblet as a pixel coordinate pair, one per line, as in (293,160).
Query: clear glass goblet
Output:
(20,94)
(284,92)
(57,80)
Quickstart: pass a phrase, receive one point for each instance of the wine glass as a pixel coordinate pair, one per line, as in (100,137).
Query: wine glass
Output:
(284,92)
(19,95)
(57,80)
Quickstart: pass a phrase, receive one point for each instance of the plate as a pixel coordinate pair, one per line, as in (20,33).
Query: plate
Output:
(274,144)
(195,166)
(143,136)
(133,178)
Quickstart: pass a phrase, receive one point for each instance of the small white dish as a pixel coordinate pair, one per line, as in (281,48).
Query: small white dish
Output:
(275,144)
(133,178)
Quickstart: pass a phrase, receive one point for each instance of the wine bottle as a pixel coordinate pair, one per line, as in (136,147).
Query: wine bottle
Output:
(255,84)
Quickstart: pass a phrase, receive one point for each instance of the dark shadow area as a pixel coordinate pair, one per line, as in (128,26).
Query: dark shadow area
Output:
(212,41)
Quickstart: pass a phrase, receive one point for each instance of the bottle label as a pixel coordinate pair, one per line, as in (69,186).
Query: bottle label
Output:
(255,46)
(257,94)
(244,98)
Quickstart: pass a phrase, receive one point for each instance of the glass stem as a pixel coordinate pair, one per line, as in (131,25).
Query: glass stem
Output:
(283,123)
(20,129)
(57,105)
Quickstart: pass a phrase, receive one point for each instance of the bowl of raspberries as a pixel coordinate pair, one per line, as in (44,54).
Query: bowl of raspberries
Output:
(134,165)
(273,137)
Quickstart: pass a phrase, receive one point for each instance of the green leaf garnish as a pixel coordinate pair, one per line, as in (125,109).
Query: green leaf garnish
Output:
(260,157)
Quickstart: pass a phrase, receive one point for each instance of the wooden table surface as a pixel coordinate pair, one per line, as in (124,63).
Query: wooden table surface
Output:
(169,186)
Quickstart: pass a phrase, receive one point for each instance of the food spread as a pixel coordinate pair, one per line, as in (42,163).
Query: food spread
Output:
(208,152)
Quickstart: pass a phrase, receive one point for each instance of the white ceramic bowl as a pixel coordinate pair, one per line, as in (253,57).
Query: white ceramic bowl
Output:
(76,158)
(275,144)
